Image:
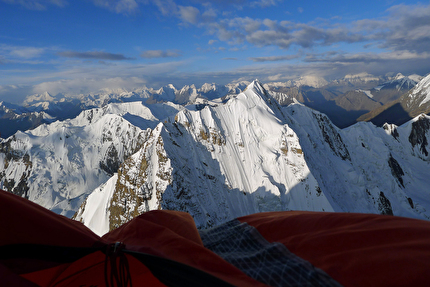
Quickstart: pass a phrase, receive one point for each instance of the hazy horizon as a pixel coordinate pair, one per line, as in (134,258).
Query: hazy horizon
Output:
(63,46)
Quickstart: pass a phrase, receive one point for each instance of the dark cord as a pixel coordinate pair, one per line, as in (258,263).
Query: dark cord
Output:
(119,267)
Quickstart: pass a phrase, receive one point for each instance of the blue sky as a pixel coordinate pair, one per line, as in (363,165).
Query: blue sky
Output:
(82,46)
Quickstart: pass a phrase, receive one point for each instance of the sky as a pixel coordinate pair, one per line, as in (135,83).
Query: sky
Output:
(76,47)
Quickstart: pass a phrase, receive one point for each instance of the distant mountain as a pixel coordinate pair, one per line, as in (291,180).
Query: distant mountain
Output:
(418,99)
(14,118)
(408,106)
(345,100)
(57,165)
(305,81)
(363,81)
(285,92)
(44,108)
(188,94)
(393,89)
(310,81)
(357,100)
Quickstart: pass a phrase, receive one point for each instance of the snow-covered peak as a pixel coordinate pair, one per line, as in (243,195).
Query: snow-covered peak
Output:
(415,77)
(311,81)
(399,76)
(277,85)
(188,87)
(241,85)
(44,97)
(256,86)
(4,106)
(424,84)
(422,90)
(114,91)
(365,77)
(206,87)
(166,93)
(257,90)
(399,82)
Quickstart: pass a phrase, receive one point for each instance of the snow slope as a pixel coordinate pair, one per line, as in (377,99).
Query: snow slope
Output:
(422,91)
(93,211)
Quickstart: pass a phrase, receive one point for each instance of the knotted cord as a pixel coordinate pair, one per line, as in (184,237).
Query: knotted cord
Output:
(119,275)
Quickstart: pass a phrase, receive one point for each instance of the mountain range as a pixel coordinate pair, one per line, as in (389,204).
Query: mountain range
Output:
(342,100)
(218,158)
(416,101)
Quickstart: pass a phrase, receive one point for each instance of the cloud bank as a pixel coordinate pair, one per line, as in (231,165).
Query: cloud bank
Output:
(98,55)
(151,54)
(37,4)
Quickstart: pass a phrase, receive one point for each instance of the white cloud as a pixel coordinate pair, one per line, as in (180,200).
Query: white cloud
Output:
(274,58)
(276,78)
(19,53)
(27,52)
(209,15)
(14,94)
(37,4)
(126,6)
(265,3)
(151,54)
(189,14)
(99,55)
(166,7)
(119,6)
(367,57)
(74,87)
(406,27)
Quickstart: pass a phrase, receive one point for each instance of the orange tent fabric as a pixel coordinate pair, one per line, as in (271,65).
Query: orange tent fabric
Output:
(24,222)
(36,243)
(173,235)
(354,249)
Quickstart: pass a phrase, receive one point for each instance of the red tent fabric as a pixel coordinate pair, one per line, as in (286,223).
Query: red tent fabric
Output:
(36,244)
(159,248)
(354,249)
(173,235)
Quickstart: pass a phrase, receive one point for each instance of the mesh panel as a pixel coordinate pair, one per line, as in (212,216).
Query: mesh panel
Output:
(270,263)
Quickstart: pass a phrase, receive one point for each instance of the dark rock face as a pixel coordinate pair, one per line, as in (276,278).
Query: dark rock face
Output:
(411,203)
(135,185)
(112,162)
(396,170)
(392,129)
(418,134)
(384,205)
(15,157)
(332,137)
